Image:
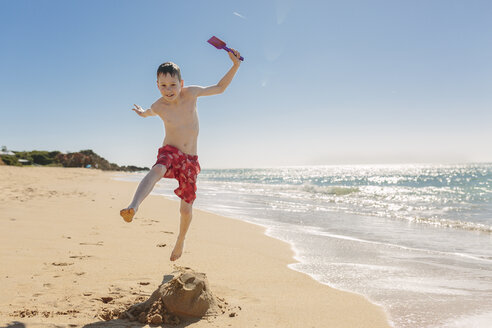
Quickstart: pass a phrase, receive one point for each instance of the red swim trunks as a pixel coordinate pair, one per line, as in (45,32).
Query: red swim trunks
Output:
(182,167)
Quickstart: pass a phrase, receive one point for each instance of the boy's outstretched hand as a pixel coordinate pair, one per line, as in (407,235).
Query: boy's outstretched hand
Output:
(139,110)
(234,56)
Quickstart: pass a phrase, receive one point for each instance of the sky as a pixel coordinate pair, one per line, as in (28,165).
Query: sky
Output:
(323,82)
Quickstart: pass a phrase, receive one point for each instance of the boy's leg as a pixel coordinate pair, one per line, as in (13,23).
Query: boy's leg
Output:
(185,210)
(143,190)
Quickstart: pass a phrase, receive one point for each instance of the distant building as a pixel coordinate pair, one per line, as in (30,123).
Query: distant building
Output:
(5,151)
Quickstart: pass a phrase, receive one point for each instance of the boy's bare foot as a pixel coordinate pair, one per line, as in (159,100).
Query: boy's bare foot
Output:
(178,250)
(127,214)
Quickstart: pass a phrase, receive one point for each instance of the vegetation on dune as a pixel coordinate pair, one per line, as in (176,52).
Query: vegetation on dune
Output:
(10,160)
(83,158)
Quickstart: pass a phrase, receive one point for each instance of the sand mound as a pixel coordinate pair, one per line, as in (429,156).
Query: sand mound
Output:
(188,294)
(184,294)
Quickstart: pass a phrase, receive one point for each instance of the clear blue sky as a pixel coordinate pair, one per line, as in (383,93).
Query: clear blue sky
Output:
(323,82)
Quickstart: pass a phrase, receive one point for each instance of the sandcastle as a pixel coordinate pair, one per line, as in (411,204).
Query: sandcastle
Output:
(183,294)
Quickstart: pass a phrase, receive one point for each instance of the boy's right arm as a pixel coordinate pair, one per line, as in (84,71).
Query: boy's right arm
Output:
(143,113)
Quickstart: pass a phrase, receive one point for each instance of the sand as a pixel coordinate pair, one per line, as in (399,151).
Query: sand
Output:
(67,258)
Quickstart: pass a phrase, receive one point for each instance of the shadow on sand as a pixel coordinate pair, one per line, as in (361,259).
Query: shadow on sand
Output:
(126,323)
(14,324)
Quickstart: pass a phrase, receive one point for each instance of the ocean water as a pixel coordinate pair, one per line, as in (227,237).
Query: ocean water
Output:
(415,239)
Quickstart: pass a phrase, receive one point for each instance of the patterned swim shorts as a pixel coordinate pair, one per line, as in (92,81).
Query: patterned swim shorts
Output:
(182,167)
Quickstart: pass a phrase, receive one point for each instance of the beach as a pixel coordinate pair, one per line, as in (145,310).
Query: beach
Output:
(412,238)
(65,251)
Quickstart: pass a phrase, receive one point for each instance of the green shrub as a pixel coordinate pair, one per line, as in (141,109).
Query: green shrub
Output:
(52,154)
(24,155)
(41,157)
(11,160)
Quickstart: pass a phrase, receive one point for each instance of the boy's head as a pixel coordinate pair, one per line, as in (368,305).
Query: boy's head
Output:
(169,81)
(169,68)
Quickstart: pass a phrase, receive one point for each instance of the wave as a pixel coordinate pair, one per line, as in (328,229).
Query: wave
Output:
(440,206)
(329,190)
(317,231)
(446,223)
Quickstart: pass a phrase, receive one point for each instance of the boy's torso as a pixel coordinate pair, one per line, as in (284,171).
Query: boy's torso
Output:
(180,122)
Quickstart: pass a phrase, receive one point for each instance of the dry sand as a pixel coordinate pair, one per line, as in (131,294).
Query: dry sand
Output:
(67,257)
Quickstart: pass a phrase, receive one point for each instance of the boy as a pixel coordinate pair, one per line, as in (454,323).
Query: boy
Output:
(177,158)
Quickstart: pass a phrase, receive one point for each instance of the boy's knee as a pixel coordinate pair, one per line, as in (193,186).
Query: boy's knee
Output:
(186,211)
(159,169)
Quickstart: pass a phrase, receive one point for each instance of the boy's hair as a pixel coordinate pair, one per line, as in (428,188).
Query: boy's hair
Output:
(169,68)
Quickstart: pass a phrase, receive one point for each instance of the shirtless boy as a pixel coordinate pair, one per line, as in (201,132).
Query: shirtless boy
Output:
(177,158)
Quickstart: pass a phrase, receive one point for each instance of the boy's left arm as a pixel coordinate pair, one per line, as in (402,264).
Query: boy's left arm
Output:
(223,83)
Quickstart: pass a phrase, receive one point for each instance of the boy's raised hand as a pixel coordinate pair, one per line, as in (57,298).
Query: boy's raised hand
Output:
(139,110)
(234,56)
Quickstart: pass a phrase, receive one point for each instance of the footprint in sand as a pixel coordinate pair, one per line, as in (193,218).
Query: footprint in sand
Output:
(99,243)
(61,264)
(106,299)
(148,222)
(81,257)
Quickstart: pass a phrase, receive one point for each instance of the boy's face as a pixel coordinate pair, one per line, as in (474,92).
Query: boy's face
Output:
(169,86)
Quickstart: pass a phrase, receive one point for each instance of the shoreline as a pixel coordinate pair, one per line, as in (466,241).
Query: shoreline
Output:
(295,255)
(295,252)
(243,264)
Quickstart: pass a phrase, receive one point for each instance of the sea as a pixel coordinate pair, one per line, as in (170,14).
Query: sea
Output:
(415,239)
